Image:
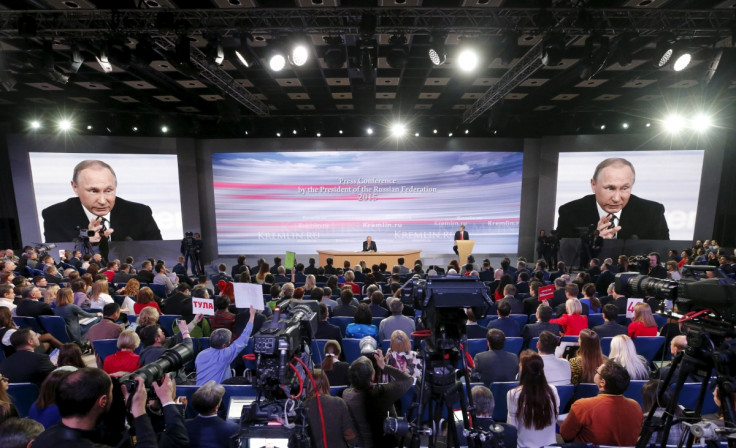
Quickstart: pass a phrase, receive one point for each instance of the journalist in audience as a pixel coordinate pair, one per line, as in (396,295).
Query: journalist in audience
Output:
(78,321)
(19,432)
(213,363)
(336,370)
(44,409)
(125,359)
(587,359)
(207,429)
(328,416)
(623,352)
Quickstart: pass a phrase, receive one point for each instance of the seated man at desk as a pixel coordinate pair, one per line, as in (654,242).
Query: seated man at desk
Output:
(369,245)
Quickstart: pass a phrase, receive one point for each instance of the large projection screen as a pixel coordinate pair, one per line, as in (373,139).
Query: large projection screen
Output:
(308,201)
(671,178)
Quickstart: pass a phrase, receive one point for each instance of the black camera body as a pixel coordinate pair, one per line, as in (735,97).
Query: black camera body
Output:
(279,341)
(84,234)
(171,360)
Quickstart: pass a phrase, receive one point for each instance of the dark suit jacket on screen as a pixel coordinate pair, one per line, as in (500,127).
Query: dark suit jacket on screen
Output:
(640,219)
(372,246)
(131,221)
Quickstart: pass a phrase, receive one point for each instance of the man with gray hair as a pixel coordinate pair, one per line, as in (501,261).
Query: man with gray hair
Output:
(96,208)
(207,430)
(214,362)
(327,297)
(612,209)
(396,321)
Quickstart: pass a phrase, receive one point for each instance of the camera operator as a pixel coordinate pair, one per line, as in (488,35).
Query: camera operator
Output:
(369,403)
(85,397)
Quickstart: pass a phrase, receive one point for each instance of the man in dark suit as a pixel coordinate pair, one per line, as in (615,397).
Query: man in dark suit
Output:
(495,364)
(31,306)
(461,234)
(516,306)
(123,274)
(181,301)
(620,301)
(326,330)
(145,275)
(544,314)
(504,323)
(604,280)
(369,245)
(561,270)
(25,365)
(610,327)
(207,430)
(96,207)
(612,209)
(656,270)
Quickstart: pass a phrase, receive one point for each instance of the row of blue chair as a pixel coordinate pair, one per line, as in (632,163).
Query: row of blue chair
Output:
(56,325)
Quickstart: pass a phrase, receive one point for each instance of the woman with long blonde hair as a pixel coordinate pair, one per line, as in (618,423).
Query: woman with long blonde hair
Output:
(49,296)
(623,352)
(99,296)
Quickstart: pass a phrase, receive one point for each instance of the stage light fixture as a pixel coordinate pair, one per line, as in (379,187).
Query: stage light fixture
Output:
(164,129)
(624,48)
(77,59)
(367,67)
(335,53)
(369,131)
(278,134)
(553,48)
(665,50)
(437,51)
(595,55)
(416,134)
(134,128)
(35,125)
(682,58)
(467,59)
(102,59)
(214,51)
(298,51)
(277,62)
(701,122)
(625,125)
(64,125)
(398,54)
(674,123)
(398,130)
(449,134)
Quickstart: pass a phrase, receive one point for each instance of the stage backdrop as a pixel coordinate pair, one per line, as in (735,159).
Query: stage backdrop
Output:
(305,201)
(671,178)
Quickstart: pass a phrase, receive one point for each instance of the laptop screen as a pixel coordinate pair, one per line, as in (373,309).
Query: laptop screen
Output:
(236,407)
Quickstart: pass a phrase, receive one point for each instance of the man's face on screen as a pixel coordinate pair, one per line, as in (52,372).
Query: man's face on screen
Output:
(96,189)
(613,187)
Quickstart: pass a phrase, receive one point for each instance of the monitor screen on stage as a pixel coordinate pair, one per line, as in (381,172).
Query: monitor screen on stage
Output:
(659,204)
(141,200)
(308,201)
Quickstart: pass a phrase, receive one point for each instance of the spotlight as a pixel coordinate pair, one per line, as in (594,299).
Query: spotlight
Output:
(665,49)
(553,48)
(298,53)
(701,122)
(213,51)
(437,51)
(89,127)
(648,125)
(293,131)
(135,129)
(595,56)
(603,127)
(164,129)
(449,134)
(369,131)
(467,59)
(674,123)
(65,125)
(335,54)
(467,131)
(278,134)
(77,60)
(277,62)
(416,134)
(398,130)
(397,53)
(434,131)
(319,134)
(682,60)
(625,125)
(35,125)
(340,132)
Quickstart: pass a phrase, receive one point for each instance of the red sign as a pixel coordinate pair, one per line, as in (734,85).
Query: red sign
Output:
(546,292)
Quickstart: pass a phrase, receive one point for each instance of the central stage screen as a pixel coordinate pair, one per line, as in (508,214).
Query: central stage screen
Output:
(269,203)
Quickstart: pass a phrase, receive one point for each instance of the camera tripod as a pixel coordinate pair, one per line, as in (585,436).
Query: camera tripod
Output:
(702,356)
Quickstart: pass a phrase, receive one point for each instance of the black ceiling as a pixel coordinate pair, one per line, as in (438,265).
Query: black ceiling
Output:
(149,85)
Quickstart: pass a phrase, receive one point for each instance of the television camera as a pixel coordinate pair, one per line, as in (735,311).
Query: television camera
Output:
(279,377)
(707,311)
(442,301)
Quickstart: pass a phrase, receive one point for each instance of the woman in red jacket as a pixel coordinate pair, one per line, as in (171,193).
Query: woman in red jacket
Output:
(643,323)
(573,322)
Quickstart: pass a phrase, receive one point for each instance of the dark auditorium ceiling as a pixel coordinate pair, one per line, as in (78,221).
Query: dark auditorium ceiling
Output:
(49,65)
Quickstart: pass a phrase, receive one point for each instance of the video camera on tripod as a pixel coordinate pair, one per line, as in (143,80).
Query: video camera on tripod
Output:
(443,301)
(707,309)
(286,336)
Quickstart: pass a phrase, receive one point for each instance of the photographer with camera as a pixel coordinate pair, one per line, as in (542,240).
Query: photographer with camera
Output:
(85,397)
(369,403)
